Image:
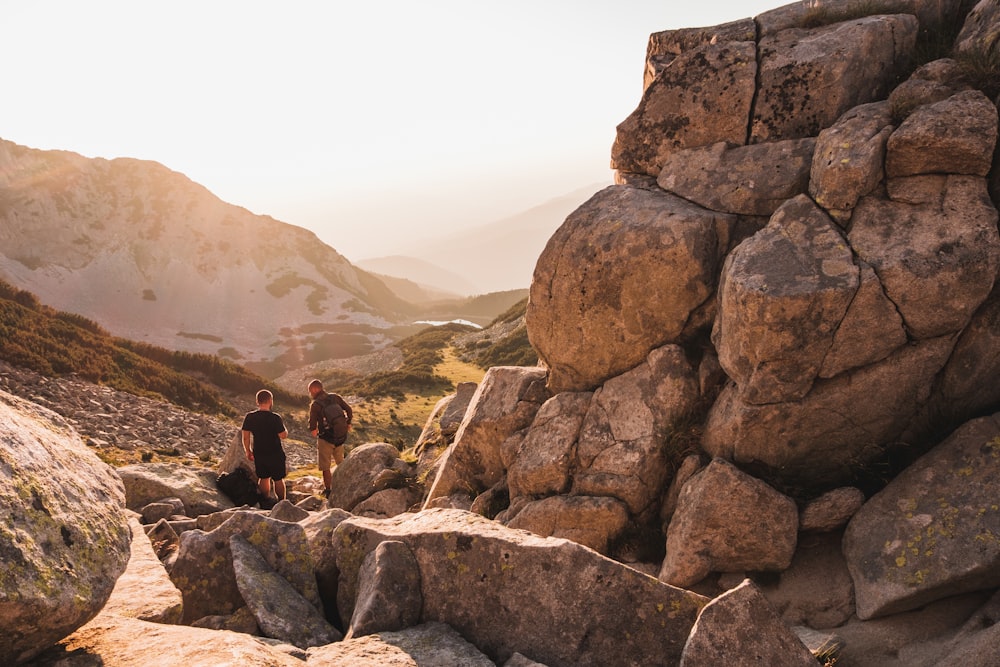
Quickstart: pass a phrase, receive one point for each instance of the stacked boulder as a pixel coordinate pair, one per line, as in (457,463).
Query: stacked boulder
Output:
(789,296)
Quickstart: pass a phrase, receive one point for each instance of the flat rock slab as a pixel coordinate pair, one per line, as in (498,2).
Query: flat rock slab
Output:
(144,591)
(124,642)
(507,591)
(428,645)
(934,531)
(149,482)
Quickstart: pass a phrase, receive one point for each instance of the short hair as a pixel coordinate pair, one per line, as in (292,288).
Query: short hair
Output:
(263,396)
(315,384)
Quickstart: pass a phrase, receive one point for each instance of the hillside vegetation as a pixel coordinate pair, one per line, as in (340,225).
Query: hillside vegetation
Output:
(54,343)
(503,343)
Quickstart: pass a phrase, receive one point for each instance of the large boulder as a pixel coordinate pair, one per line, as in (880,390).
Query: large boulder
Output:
(934,531)
(427,645)
(280,610)
(544,457)
(204,568)
(505,402)
(783,294)
(144,591)
(745,180)
(592,522)
(370,468)
(623,450)
(809,77)
(236,457)
(149,482)
(64,537)
(728,521)
(740,628)
(703,97)
(954,136)
(389,596)
(849,160)
(937,260)
(823,439)
(621,277)
(480,578)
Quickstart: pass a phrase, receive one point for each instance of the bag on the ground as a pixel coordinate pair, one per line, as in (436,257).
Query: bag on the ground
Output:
(238,486)
(335,430)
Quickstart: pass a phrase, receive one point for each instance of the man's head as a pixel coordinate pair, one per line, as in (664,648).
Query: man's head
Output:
(264,398)
(315,388)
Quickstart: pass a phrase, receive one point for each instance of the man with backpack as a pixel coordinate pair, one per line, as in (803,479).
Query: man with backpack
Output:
(329,420)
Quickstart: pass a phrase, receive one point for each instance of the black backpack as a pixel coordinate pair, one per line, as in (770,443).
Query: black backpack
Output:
(238,486)
(332,411)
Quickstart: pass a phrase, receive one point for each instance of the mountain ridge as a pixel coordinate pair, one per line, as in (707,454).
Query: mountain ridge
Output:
(156,257)
(494,256)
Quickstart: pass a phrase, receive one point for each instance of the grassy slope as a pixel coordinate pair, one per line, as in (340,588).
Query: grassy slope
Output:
(53,343)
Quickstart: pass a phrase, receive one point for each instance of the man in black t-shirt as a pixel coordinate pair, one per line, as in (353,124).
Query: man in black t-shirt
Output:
(263,432)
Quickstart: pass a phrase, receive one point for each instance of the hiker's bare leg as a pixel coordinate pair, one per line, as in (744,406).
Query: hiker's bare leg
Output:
(338,455)
(327,479)
(264,486)
(279,488)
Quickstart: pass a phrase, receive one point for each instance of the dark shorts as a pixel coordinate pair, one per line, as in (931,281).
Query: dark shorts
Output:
(270,465)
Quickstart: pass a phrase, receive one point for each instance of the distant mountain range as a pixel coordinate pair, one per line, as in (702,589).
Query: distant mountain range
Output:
(492,257)
(152,256)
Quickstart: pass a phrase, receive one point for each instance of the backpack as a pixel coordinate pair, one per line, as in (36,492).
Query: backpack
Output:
(335,428)
(238,486)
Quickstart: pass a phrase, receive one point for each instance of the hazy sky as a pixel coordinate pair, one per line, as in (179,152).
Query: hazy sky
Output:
(371,123)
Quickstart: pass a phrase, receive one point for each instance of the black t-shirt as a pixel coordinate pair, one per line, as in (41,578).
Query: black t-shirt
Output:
(265,426)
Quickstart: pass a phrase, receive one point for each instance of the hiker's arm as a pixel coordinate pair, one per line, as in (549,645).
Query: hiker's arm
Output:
(314,419)
(246,445)
(347,410)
